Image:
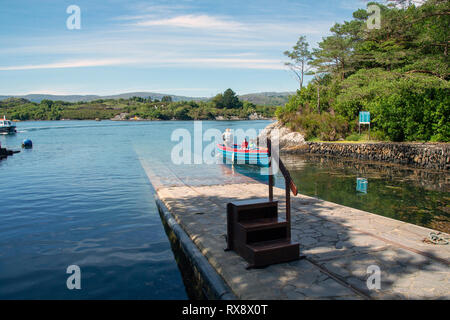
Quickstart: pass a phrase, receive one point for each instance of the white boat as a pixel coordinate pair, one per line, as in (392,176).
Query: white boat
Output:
(7,126)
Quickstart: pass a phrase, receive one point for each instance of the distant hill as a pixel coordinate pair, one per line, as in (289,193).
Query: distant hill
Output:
(264,98)
(76,98)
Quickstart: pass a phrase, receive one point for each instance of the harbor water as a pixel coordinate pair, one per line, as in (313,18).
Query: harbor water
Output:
(81,197)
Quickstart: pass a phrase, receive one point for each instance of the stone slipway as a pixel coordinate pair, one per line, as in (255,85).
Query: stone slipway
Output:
(340,243)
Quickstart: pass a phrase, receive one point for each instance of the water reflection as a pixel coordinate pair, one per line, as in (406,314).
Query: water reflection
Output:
(361,185)
(408,194)
(413,195)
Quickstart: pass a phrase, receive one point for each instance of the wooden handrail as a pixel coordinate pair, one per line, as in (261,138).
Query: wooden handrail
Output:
(283,169)
(289,184)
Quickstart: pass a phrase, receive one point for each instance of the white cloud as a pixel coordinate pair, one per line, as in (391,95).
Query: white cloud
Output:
(270,29)
(161,9)
(68,64)
(171,41)
(173,61)
(194,22)
(224,63)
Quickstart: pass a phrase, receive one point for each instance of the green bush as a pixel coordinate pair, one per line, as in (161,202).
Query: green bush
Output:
(403,108)
(414,115)
(324,126)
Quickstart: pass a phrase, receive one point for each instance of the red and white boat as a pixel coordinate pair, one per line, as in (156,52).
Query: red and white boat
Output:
(257,156)
(7,126)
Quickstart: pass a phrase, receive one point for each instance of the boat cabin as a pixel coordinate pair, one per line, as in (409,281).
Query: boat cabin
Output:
(6,123)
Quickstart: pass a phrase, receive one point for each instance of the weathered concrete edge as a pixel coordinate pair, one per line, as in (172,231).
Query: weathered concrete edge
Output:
(214,282)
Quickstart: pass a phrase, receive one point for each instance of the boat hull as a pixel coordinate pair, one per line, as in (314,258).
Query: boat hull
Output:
(7,129)
(257,157)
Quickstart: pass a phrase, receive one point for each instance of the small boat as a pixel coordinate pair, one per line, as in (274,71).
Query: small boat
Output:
(256,156)
(7,126)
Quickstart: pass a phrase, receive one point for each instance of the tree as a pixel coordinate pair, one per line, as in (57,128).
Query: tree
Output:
(137,99)
(166,99)
(230,100)
(335,52)
(218,101)
(405,3)
(47,103)
(300,56)
(227,100)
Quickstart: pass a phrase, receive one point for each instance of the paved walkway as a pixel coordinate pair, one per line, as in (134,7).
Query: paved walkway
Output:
(340,243)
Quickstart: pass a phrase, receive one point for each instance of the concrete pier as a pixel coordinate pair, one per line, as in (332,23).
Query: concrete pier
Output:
(342,245)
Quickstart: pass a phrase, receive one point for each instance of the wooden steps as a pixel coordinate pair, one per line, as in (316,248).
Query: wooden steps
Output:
(257,234)
(261,224)
(272,252)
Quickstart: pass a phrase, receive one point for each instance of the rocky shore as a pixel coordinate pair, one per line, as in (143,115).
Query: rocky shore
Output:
(253,116)
(434,156)
(287,138)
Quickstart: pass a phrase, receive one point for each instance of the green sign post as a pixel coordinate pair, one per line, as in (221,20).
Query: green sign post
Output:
(364,118)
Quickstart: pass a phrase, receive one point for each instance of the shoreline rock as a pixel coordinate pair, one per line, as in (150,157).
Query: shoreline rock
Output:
(287,138)
(253,116)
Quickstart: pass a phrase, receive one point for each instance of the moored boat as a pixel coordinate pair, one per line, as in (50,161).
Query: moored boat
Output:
(256,156)
(7,126)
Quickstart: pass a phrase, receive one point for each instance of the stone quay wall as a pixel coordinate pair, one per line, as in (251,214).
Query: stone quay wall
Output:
(424,155)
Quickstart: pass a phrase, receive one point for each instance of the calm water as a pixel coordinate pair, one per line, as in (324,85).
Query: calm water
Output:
(416,196)
(81,196)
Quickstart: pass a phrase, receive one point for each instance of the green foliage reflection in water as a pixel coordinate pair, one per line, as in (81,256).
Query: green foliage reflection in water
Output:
(412,195)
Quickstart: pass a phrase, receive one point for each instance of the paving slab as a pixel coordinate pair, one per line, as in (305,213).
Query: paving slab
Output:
(340,243)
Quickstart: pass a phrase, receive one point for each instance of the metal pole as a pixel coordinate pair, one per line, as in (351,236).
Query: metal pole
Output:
(288,208)
(269,147)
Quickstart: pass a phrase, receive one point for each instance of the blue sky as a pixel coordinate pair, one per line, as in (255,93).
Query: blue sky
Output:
(184,47)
